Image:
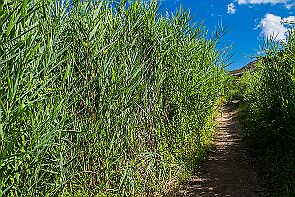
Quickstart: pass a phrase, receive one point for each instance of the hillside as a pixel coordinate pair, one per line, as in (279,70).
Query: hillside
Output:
(239,72)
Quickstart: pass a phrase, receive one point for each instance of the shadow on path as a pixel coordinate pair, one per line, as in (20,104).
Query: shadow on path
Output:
(229,171)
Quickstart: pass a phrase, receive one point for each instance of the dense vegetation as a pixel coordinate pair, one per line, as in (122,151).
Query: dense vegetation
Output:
(102,98)
(269,92)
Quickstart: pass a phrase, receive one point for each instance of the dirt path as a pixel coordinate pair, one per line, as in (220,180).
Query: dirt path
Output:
(230,170)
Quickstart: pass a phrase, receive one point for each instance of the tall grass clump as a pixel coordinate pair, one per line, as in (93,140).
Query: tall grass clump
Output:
(270,96)
(102,98)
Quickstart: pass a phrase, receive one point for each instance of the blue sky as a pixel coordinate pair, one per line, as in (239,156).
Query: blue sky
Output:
(248,22)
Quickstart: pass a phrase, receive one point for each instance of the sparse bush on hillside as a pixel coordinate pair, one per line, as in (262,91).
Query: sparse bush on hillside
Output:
(102,99)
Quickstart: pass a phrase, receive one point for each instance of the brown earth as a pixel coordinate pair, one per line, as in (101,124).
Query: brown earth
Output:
(232,169)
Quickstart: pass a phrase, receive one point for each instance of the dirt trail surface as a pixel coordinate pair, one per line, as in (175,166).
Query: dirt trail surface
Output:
(230,170)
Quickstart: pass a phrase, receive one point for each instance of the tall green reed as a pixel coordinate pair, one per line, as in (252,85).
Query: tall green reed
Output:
(98,99)
(269,92)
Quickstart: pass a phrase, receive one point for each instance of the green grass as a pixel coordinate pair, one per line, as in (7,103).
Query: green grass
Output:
(269,93)
(102,99)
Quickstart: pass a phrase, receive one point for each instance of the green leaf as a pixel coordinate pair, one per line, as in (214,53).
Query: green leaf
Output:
(6,1)
(11,24)
(3,107)
(1,126)
(92,33)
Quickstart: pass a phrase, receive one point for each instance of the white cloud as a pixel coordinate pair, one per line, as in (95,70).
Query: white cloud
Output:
(231,8)
(274,26)
(240,2)
(290,5)
(290,19)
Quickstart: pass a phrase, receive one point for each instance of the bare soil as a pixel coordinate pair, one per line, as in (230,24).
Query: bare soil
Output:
(232,169)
